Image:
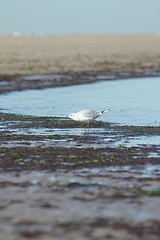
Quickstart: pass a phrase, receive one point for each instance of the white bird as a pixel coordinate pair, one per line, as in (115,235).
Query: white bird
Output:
(87,115)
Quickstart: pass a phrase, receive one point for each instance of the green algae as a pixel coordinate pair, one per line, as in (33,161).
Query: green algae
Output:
(149,193)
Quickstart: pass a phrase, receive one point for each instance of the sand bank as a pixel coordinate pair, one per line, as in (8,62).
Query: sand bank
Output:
(78,53)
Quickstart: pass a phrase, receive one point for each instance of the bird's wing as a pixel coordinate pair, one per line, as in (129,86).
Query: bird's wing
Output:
(89,113)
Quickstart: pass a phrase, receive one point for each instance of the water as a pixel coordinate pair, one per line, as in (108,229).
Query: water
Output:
(141,171)
(132,102)
(139,141)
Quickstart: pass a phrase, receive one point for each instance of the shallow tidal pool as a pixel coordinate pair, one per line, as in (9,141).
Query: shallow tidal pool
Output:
(132,101)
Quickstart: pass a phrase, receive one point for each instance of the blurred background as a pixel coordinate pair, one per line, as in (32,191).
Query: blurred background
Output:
(73,16)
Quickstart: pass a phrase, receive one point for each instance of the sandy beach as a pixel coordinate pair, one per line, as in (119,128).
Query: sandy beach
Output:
(26,55)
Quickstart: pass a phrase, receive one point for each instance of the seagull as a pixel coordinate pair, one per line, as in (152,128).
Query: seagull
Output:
(86,115)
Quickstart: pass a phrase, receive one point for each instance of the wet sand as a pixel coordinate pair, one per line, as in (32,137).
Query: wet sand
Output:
(57,182)
(86,204)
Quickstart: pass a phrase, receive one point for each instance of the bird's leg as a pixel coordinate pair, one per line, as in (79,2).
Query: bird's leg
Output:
(88,125)
(85,129)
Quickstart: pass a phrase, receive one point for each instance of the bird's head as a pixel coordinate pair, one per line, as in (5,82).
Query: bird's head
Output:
(71,116)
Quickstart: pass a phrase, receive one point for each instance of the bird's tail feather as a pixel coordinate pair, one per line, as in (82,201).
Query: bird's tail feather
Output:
(104,111)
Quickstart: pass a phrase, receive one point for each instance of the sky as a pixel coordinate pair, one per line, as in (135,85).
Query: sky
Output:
(79,16)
